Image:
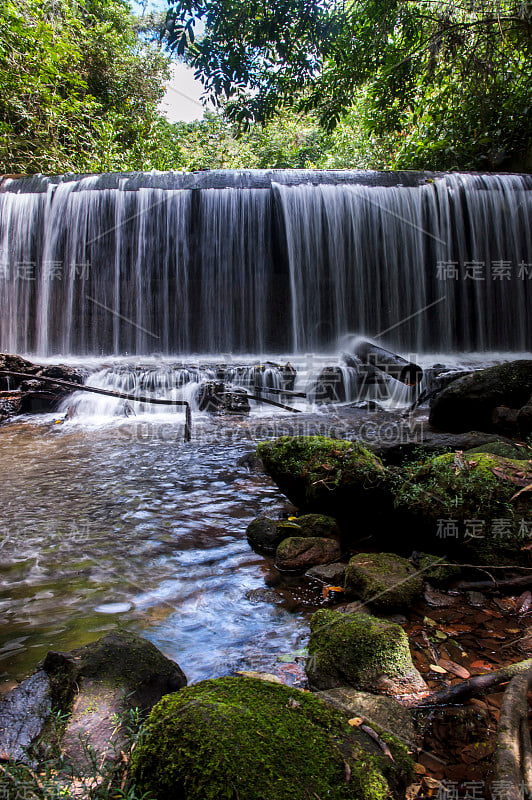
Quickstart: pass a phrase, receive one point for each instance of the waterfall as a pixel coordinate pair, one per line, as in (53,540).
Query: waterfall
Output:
(264,262)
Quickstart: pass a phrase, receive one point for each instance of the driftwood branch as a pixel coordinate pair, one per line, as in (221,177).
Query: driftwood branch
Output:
(261,399)
(476,686)
(79,387)
(513,750)
(494,585)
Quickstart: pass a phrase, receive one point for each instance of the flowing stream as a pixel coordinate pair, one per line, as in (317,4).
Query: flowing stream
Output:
(124,524)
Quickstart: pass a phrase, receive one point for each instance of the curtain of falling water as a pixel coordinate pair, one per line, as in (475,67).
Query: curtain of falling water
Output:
(275,262)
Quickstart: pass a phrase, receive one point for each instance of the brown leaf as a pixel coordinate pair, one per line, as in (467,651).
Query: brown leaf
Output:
(483,665)
(456,669)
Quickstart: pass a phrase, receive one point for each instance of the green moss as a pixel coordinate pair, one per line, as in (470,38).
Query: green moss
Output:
(383,580)
(318,473)
(243,738)
(434,571)
(462,488)
(357,650)
(501,448)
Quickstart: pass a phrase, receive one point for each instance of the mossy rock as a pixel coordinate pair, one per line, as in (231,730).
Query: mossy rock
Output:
(501,448)
(384,581)
(468,403)
(119,660)
(380,711)
(439,501)
(361,651)
(300,553)
(435,571)
(327,476)
(264,536)
(318,525)
(244,738)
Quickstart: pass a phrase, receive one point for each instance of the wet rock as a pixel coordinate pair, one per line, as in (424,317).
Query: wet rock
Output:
(504,420)
(251,461)
(23,716)
(488,487)
(299,553)
(38,396)
(317,525)
(388,362)
(15,364)
(331,574)
(263,595)
(435,568)
(120,671)
(264,536)
(502,447)
(468,402)
(361,651)
(384,712)
(327,476)
(384,581)
(10,402)
(220,397)
(436,379)
(524,420)
(424,442)
(246,738)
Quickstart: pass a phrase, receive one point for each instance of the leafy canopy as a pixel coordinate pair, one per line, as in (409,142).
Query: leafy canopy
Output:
(454,77)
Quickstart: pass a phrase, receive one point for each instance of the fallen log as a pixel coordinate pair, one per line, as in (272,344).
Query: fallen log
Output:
(390,363)
(476,686)
(513,750)
(78,387)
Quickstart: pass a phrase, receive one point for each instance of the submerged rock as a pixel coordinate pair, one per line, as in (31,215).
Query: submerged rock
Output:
(361,651)
(254,740)
(384,581)
(299,553)
(468,403)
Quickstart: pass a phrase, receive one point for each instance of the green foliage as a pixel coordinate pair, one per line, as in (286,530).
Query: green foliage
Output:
(433,84)
(79,90)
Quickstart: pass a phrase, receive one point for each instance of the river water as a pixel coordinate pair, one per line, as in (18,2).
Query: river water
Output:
(112,521)
(124,524)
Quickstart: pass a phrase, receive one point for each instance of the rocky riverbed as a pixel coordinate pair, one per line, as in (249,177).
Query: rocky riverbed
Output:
(121,523)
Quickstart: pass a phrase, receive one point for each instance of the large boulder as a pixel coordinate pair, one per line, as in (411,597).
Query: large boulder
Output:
(93,686)
(361,651)
(477,505)
(383,581)
(469,402)
(298,554)
(327,476)
(253,740)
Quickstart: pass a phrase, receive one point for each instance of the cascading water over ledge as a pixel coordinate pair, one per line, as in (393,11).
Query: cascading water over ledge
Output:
(264,261)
